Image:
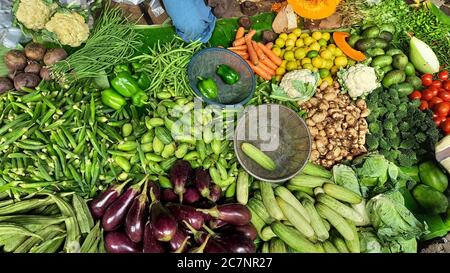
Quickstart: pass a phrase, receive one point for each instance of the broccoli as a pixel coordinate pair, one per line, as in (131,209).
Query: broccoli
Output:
(384,144)
(375,128)
(408,143)
(395,142)
(407,158)
(415,103)
(421,137)
(390,134)
(372,142)
(392,155)
(391,107)
(372,117)
(389,125)
(404,126)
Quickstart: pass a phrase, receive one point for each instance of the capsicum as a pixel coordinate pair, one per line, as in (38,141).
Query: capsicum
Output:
(139,99)
(143,81)
(120,68)
(433,176)
(227,74)
(124,84)
(112,99)
(207,87)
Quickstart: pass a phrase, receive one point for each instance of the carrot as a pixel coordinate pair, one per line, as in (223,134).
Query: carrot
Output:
(275,59)
(269,45)
(241,47)
(239,42)
(241,53)
(259,52)
(270,64)
(266,68)
(260,72)
(251,50)
(240,33)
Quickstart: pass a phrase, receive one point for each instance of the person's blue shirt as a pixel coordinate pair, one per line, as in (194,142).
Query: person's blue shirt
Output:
(193,19)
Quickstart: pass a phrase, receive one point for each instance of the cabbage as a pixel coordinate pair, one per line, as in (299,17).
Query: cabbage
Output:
(345,176)
(391,219)
(369,242)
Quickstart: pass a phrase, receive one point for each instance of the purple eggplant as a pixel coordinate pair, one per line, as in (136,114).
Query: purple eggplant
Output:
(248,231)
(169,196)
(154,191)
(236,243)
(135,220)
(99,205)
(215,193)
(234,214)
(151,245)
(217,223)
(118,242)
(115,215)
(189,214)
(180,173)
(163,223)
(213,246)
(179,242)
(191,195)
(198,235)
(202,181)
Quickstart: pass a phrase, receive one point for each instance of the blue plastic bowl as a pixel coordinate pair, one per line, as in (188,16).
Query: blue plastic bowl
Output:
(204,63)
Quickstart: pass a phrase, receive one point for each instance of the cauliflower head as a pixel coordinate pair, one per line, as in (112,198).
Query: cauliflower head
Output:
(70,28)
(359,80)
(34,14)
(298,85)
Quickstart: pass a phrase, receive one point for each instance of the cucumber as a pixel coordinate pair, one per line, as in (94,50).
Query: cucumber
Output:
(164,135)
(353,245)
(268,198)
(341,193)
(265,248)
(304,180)
(305,190)
(336,221)
(258,207)
(294,239)
(242,187)
(316,170)
(276,245)
(302,195)
(329,247)
(267,234)
(342,209)
(258,156)
(296,219)
(287,196)
(340,244)
(317,223)
(326,224)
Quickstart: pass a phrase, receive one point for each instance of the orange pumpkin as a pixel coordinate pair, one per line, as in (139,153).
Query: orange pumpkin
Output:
(314,9)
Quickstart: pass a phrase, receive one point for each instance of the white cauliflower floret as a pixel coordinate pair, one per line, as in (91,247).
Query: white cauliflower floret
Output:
(70,28)
(34,14)
(298,85)
(359,80)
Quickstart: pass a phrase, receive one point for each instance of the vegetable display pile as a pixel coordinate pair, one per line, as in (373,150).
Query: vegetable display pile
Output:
(103,147)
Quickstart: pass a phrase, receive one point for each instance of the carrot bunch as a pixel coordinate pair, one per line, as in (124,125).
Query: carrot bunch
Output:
(259,56)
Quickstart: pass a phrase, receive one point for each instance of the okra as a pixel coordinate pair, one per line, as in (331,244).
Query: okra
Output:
(90,239)
(164,182)
(82,214)
(24,206)
(45,234)
(49,246)
(231,191)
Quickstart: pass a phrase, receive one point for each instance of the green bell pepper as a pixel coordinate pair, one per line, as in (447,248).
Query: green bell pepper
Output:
(112,99)
(207,87)
(139,99)
(122,68)
(124,84)
(227,74)
(136,66)
(143,81)
(412,172)
(433,176)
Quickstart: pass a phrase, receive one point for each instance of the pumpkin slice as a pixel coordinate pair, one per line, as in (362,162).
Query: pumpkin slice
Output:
(339,40)
(314,9)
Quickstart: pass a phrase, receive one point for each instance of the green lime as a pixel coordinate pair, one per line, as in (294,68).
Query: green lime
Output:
(312,54)
(324,73)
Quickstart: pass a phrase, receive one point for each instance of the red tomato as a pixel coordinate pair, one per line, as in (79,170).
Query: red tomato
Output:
(446,126)
(446,85)
(443,75)
(416,95)
(435,115)
(445,95)
(434,90)
(442,108)
(437,83)
(434,101)
(439,119)
(427,95)
(427,79)
(423,105)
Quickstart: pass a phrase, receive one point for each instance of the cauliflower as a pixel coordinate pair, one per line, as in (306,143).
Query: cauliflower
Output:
(358,81)
(34,14)
(70,28)
(298,85)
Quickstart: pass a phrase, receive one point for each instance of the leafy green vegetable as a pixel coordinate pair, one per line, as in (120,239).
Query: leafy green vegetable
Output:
(401,246)
(392,220)
(369,241)
(344,175)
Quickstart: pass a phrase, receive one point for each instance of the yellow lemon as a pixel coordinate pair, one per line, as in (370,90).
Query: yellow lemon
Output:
(289,56)
(328,79)
(276,51)
(299,43)
(300,53)
(328,64)
(292,36)
(292,65)
(316,35)
(317,62)
(338,52)
(280,71)
(290,42)
(308,66)
(280,42)
(326,54)
(304,35)
(306,61)
(308,40)
(283,63)
(341,61)
(283,36)
(297,32)
(326,36)
(315,46)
